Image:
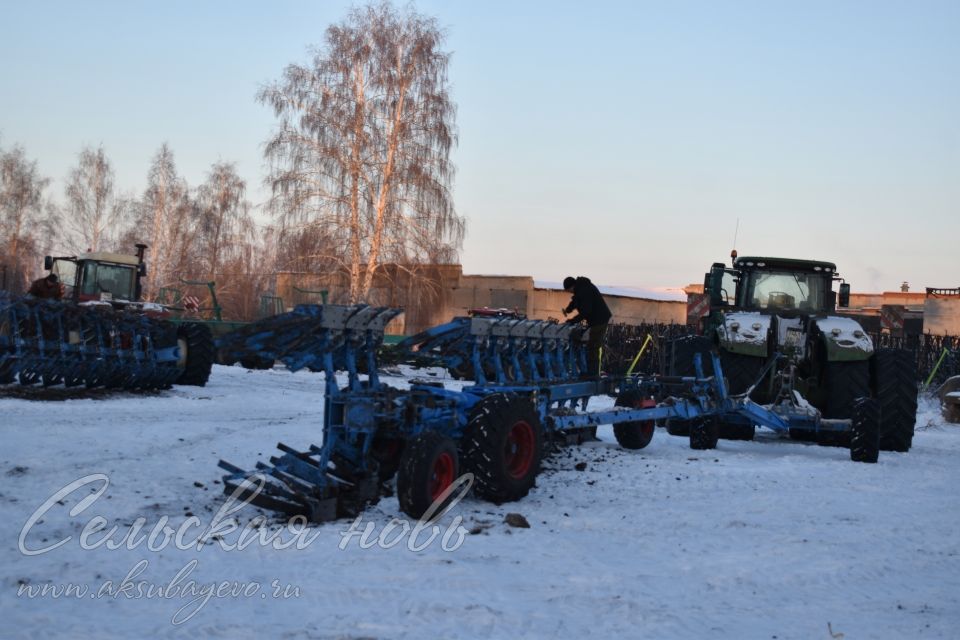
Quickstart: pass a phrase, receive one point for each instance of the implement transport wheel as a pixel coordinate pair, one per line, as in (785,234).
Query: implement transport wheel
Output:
(865,437)
(197,341)
(502,446)
(704,433)
(638,433)
(429,466)
(895,382)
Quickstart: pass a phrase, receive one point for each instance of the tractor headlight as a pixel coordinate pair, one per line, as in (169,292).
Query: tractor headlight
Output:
(858,334)
(734,326)
(835,331)
(757,326)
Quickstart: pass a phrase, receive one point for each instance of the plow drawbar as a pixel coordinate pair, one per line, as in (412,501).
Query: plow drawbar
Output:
(529,392)
(96,344)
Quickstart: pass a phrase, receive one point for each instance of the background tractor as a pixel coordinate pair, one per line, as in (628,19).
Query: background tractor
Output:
(775,324)
(100,333)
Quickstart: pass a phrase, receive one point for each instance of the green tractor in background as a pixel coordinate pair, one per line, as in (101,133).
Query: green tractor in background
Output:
(774,323)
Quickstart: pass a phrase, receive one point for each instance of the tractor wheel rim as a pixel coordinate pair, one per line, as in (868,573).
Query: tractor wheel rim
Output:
(441,475)
(518,451)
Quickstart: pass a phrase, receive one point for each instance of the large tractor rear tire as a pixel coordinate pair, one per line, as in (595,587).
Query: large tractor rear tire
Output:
(843,383)
(681,352)
(895,384)
(865,431)
(502,446)
(198,341)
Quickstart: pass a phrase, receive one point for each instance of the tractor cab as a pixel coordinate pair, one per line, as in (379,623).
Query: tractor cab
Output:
(100,276)
(780,286)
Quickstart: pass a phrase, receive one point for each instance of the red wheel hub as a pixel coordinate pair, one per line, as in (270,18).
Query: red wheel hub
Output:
(647,426)
(519,448)
(441,475)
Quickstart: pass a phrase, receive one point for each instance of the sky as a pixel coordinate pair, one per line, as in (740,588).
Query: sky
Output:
(630,142)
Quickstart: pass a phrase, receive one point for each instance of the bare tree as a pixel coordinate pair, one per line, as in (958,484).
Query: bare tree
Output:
(21,215)
(361,158)
(166,220)
(225,222)
(92,207)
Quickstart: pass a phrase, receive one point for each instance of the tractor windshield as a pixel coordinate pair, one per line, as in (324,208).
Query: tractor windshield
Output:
(100,278)
(783,290)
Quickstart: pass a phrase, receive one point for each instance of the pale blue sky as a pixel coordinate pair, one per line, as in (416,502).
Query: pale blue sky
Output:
(617,140)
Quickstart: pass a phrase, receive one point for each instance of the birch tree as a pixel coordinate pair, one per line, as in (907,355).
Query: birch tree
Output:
(225,224)
(21,213)
(92,209)
(167,219)
(361,155)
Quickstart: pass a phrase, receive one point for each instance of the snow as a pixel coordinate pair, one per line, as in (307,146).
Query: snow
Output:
(751,327)
(847,333)
(763,539)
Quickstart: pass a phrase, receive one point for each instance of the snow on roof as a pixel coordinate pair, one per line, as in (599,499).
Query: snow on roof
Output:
(655,293)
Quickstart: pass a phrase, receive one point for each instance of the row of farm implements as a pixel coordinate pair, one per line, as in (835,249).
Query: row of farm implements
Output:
(530,389)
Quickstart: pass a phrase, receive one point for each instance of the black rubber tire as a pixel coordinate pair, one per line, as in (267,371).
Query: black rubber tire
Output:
(740,372)
(680,355)
(895,388)
(636,434)
(704,433)
(843,382)
(428,466)
(502,447)
(735,431)
(200,352)
(388,452)
(677,427)
(7,372)
(865,431)
(257,363)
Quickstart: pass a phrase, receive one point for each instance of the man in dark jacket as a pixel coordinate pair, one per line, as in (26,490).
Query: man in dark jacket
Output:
(48,287)
(590,306)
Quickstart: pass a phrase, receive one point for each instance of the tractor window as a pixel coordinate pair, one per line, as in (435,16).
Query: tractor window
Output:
(99,278)
(784,290)
(66,270)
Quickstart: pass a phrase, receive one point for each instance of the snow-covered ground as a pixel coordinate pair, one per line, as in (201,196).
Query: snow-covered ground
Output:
(763,539)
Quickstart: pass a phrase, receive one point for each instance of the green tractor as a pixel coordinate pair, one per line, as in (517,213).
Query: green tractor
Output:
(774,323)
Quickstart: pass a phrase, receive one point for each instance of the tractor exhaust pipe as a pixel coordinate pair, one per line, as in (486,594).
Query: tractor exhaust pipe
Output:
(141,249)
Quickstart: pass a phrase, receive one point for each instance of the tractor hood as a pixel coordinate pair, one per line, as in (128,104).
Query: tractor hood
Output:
(844,338)
(745,332)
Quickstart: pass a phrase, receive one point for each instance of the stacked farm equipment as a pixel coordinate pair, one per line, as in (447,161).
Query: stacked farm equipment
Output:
(99,334)
(530,390)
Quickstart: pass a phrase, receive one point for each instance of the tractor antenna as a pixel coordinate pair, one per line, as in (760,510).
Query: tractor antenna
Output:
(736,232)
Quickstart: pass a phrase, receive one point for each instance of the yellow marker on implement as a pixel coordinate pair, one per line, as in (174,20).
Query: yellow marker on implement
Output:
(639,353)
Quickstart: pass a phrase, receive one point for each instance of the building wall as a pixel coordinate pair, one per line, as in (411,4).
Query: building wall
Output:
(941,316)
(458,293)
